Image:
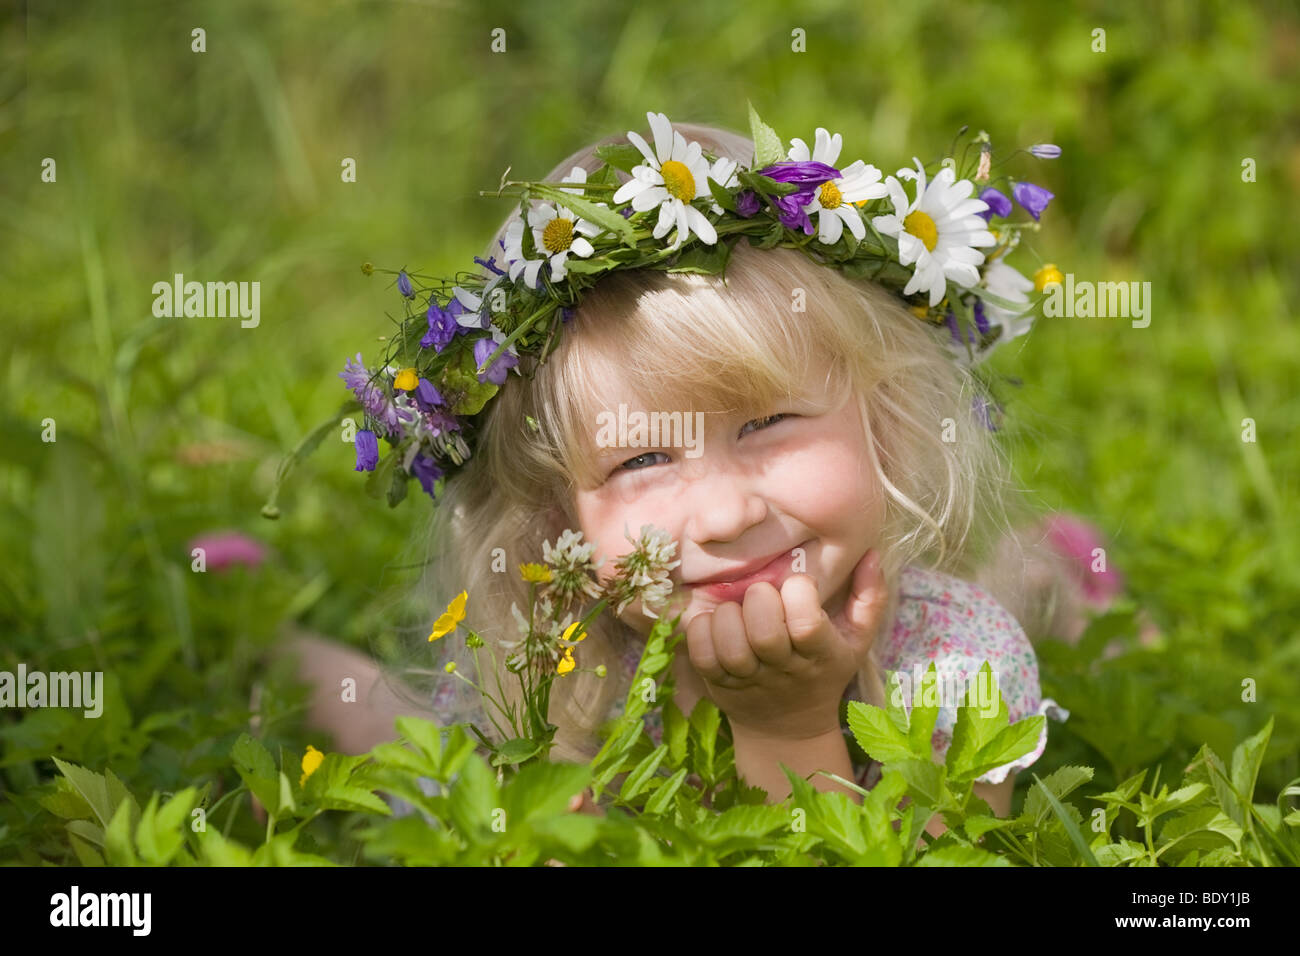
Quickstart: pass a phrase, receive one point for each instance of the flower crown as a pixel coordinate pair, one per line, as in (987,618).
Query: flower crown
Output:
(461,337)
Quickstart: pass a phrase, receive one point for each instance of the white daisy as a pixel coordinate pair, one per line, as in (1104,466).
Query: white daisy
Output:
(837,199)
(1007,283)
(556,230)
(675,173)
(476,315)
(938,231)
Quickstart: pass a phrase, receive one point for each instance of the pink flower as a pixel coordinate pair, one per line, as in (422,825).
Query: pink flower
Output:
(221,549)
(1076,540)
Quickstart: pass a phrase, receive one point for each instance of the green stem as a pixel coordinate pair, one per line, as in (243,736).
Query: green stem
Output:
(510,339)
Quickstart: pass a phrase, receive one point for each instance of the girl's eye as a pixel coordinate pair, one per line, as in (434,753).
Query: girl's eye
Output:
(765,422)
(632,463)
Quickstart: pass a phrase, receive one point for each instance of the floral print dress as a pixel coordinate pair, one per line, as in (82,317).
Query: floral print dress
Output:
(949,621)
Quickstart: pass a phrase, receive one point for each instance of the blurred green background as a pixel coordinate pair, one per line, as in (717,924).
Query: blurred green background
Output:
(225,165)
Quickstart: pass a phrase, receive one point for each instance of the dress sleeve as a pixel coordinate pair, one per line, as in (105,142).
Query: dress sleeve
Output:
(958,626)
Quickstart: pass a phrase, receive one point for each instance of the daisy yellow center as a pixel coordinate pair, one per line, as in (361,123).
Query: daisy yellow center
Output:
(922,226)
(558,234)
(830,195)
(678,180)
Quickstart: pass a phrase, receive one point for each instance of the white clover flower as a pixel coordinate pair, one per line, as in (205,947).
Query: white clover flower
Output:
(937,231)
(675,173)
(573,568)
(643,572)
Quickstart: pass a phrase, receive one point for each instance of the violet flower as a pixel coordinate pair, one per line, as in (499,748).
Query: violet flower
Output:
(443,326)
(427,472)
(998,203)
(427,398)
(483,348)
(1033,198)
(367,450)
(372,398)
(404,284)
(747,204)
(808,176)
(1046,150)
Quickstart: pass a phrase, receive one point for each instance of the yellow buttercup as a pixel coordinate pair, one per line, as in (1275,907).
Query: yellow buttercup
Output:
(448,620)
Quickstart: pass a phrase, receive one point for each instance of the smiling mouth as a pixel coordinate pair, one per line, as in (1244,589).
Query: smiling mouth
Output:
(772,570)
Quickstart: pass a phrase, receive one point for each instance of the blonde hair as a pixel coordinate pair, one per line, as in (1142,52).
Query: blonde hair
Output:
(943,500)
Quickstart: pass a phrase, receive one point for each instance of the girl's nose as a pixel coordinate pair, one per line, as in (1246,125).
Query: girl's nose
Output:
(722,504)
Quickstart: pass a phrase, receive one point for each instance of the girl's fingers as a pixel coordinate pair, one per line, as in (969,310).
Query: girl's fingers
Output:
(731,644)
(699,648)
(764,616)
(805,620)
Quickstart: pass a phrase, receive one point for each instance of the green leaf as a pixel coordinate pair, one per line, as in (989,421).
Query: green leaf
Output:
(381,479)
(255,767)
(1205,828)
(661,798)
(424,734)
(925,781)
(877,734)
(472,799)
(542,790)
(119,849)
(974,729)
(675,731)
(601,216)
(642,772)
(161,833)
(705,720)
(66,802)
(703,259)
(1071,828)
(1246,760)
(216,850)
(1010,744)
(622,156)
(91,786)
(962,856)
(392,754)
(515,751)
(84,845)
(767,145)
(723,196)
(1060,783)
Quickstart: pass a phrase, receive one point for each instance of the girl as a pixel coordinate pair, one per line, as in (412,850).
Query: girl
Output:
(839,501)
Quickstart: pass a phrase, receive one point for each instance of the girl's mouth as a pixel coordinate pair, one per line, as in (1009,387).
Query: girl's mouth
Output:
(774,572)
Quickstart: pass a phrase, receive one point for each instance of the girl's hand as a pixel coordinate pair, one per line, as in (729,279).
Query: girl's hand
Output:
(778,666)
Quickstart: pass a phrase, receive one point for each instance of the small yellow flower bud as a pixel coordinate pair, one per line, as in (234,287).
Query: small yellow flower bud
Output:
(311,760)
(600,670)
(451,667)
(367,268)
(1048,275)
(408,380)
